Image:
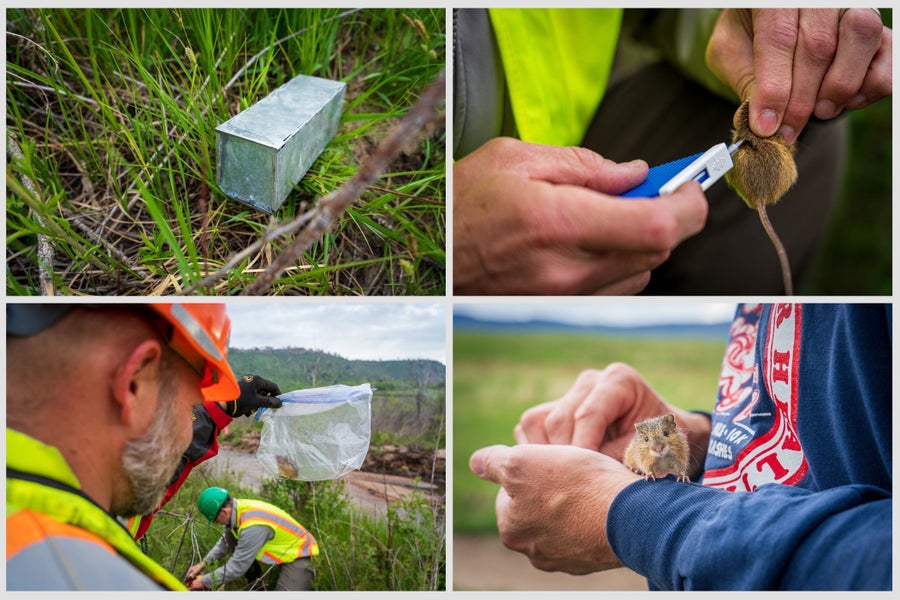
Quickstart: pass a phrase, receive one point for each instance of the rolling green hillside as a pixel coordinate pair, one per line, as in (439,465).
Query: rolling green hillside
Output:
(296,368)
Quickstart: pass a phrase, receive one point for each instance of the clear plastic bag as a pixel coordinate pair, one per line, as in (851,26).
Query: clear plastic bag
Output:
(318,433)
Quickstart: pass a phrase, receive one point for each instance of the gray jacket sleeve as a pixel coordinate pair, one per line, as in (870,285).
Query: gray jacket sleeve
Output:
(252,539)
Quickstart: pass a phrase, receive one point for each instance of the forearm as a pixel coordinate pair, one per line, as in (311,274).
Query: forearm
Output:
(221,549)
(777,537)
(234,568)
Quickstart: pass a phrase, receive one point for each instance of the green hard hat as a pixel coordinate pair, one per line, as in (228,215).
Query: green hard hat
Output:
(210,502)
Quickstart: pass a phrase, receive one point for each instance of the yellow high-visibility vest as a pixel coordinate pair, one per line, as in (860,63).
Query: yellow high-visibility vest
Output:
(291,540)
(52,528)
(556,63)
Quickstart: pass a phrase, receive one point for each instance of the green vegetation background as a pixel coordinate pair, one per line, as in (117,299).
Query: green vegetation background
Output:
(114,111)
(857,254)
(498,376)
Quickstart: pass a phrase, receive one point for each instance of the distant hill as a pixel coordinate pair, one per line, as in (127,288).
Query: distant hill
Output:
(296,368)
(698,331)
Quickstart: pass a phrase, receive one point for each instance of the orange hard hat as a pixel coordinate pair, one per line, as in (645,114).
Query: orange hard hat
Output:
(204,329)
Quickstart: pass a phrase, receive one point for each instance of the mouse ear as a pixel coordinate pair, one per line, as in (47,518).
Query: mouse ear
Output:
(669,418)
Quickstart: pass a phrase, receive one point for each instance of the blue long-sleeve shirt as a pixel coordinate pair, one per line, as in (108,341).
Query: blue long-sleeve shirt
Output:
(797,486)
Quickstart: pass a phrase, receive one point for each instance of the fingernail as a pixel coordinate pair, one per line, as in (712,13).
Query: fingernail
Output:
(787,132)
(825,109)
(858,101)
(635,163)
(767,122)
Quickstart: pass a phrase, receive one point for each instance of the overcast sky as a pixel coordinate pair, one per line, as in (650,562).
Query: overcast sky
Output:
(635,311)
(384,330)
(367,331)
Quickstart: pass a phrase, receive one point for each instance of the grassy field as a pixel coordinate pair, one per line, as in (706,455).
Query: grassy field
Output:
(497,376)
(111,186)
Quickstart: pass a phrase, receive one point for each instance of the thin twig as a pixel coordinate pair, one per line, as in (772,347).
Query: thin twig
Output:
(44,249)
(326,211)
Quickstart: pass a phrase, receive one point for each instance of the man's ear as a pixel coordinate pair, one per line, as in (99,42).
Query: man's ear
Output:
(136,382)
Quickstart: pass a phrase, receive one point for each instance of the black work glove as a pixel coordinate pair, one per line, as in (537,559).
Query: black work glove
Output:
(256,392)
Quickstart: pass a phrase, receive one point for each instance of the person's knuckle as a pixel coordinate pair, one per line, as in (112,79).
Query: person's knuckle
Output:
(555,420)
(555,281)
(800,107)
(843,86)
(663,231)
(584,157)
(618,370)
(862,23)
(819,45)
(781,36)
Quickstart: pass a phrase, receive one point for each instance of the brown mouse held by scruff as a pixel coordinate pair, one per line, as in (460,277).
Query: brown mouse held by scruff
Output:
(657,449)
(764,170)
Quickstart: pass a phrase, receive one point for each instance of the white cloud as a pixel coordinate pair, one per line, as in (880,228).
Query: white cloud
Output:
(370,330)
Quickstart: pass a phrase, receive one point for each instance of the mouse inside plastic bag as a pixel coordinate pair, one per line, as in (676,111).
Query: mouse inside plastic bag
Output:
(318,433)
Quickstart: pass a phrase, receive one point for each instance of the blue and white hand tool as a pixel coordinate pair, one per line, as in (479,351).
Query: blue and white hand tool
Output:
(703,167)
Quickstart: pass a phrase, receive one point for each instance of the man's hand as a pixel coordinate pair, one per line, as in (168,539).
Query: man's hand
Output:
(194,570)
(196,584)
(553,502)
(599,413)
(793,63)
(256,392)
(531,219)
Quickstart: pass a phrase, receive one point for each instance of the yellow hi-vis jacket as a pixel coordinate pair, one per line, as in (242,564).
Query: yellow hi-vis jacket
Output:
(556,63)
(57,538)
(291,540)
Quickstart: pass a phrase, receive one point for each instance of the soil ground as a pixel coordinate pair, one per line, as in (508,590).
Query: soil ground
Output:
(370,490)
(482,562)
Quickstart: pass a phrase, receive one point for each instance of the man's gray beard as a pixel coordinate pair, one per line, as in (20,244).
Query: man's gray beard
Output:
(150,460)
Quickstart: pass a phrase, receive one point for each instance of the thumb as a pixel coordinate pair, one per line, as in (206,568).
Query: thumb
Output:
(581,167)
(271,401)
(485,463)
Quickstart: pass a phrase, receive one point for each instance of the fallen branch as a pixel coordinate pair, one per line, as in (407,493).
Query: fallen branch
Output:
(44,249)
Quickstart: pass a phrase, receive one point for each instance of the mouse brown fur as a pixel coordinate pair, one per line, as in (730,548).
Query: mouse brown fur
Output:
(657,449)
(764,170)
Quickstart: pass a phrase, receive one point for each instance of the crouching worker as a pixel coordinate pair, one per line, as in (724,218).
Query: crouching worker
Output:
(254,531)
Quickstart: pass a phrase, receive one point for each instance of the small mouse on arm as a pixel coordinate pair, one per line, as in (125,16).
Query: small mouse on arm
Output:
(658,448)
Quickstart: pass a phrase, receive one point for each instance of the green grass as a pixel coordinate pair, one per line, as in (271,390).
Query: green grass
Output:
(114,112)
(856,256)
(498,376)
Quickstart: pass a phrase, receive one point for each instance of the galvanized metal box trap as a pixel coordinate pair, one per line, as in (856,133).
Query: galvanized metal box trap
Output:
(264,150)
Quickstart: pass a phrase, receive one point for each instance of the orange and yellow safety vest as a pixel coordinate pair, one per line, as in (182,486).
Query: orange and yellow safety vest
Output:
(291,540)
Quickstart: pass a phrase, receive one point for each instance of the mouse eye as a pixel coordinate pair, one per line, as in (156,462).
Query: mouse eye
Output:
(666,433)
(646,438)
